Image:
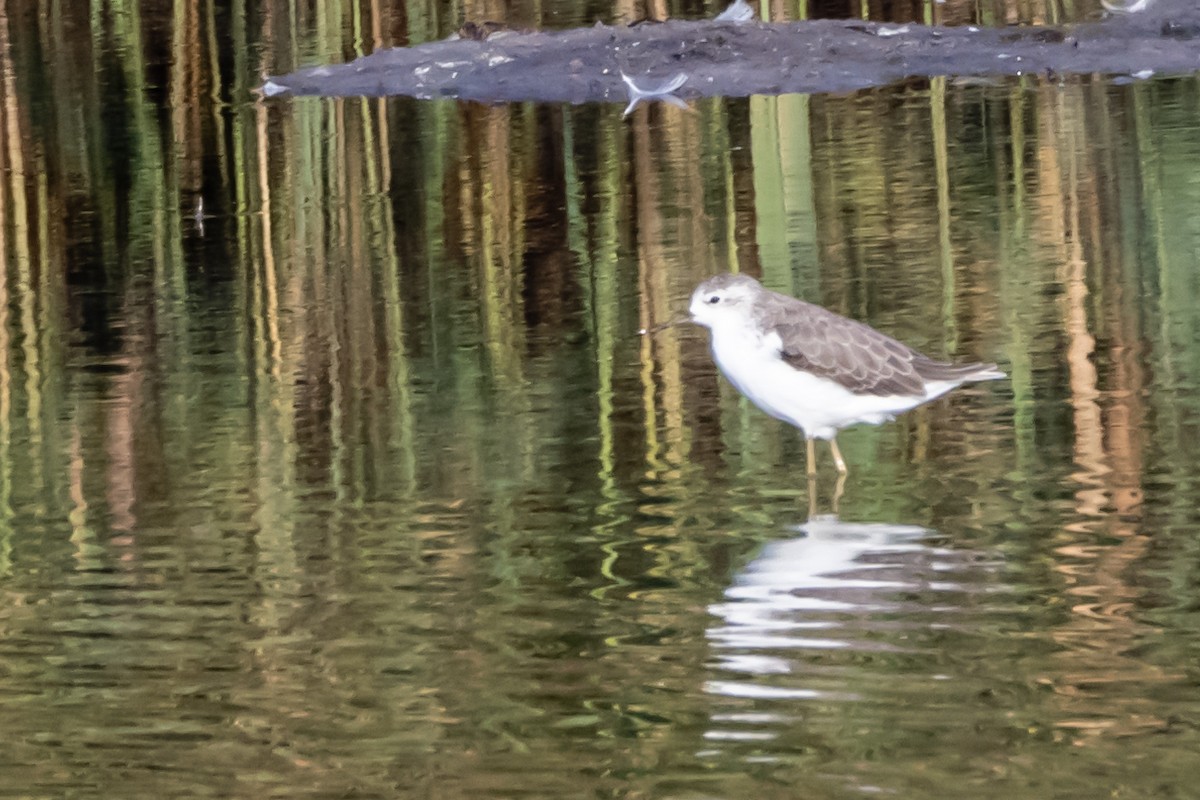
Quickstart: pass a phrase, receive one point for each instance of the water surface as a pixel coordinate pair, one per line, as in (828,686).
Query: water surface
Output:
(331,464)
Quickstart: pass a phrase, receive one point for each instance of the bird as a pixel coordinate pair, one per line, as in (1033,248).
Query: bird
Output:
(814,368)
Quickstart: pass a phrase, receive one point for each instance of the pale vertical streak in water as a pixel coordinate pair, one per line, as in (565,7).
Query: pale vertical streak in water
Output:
(646,347)
(1100,638)
(215,83)
(692,231)
(770,236)
(600,299)
(719,121)
(361,328)
(1016,124)
(436,119)
(769,204)
(308,291)
(49,338)
(377,38)
(170,279)
(82,535)
(488,191)
(937,108)
(276,449)
(9,218)
(356,27)
(11,120)
(20,227)
(267,278)
(1120,321)
(1019,290)
(601,290)
(1049,221)
(938,142)
(1081,343)
(799,203)
(148,337)
(185,28)
(368,263)
(291,45)
(337,327)
(501,236)
(236,170)
(655,293)
(329,26)
(122,424)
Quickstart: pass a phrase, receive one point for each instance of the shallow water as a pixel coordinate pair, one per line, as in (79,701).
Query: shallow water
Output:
(331,463)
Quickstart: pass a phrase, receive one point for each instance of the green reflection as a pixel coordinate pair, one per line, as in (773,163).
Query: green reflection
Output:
(363,482)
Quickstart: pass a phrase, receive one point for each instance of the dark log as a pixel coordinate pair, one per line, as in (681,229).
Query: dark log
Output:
(734,60)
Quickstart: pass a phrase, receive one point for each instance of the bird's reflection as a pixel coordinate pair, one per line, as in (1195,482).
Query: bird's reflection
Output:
(775,604)
(809,621)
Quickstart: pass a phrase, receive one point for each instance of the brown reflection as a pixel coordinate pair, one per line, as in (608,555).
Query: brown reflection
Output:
(135,462)
(633,10)
(665,140)
(493,183)
(551,288)
(1126,385)
(268,343)
(1107,433)
(1089,440)
(739,165)
(10,108)
(121,483)
(485,10)
(1081,200)
(188,92)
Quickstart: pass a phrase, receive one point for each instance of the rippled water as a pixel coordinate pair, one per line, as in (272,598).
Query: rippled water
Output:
(331,463)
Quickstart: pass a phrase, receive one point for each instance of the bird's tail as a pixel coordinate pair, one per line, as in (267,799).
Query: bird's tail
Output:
(931,370)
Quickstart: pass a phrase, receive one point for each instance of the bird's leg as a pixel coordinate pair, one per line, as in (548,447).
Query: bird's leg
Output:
(837,455)
(812,456)
(837,491)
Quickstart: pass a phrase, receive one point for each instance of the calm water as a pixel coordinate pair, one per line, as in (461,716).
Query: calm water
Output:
(331,464)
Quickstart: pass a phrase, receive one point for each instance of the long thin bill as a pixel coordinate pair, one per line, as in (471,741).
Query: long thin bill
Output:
(663,326)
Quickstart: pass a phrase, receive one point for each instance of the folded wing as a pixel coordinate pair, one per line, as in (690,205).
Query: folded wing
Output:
(856,356)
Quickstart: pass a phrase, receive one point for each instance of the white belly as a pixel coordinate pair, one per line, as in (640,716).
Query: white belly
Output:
(818,406)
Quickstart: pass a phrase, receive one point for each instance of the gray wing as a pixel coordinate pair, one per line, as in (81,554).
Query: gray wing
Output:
(858,357)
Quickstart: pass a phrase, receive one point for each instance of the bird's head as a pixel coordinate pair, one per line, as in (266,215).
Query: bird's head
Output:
(723,298)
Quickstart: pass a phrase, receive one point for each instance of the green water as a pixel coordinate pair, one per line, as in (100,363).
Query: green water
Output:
(331,463)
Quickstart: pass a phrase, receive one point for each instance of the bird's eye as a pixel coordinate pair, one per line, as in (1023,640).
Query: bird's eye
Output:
(716,298)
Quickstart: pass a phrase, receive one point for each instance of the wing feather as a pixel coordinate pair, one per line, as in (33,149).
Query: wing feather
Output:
(858,357)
